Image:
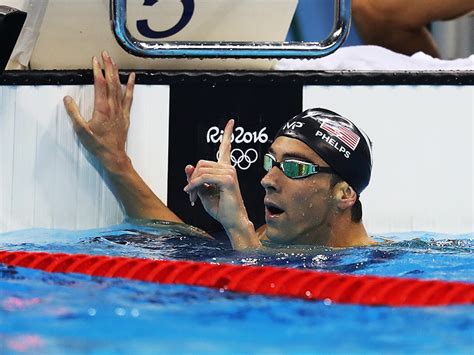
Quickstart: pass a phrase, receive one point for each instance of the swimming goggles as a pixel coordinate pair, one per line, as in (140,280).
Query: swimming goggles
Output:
(294,169)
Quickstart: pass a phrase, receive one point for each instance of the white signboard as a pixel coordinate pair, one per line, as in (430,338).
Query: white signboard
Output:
(423,144)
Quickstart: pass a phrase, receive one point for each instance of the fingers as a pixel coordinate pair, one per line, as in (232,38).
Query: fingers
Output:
(225,147)
(207,166)
(206,174)
(224,170)
(208,180)
(189,170)
(72,109)
(128,96)
(100,89)
(112,79)
(200,177)
(208,163)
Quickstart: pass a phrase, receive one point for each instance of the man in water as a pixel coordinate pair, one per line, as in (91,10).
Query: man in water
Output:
(316,168)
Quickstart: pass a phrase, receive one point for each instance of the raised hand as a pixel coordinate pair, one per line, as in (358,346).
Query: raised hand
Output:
(105,133)
(217,186)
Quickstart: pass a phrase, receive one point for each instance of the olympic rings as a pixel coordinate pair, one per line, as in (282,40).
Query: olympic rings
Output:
(242,159)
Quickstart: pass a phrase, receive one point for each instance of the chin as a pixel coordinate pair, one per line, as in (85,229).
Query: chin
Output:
(277,236)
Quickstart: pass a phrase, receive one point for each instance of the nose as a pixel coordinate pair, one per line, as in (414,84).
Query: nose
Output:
(270,180)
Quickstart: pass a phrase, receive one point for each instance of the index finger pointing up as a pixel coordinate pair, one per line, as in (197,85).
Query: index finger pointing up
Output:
(224,148)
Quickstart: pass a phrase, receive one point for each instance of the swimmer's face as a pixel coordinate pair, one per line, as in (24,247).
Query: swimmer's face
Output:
(297,210)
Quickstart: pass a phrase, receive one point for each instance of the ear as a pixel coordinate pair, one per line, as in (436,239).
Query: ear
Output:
(344,195)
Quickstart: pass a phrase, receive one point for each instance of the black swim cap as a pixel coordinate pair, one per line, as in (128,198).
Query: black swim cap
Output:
(337,141)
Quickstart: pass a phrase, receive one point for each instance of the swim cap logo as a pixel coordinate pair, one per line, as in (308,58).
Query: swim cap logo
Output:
(343,133)
(293,125)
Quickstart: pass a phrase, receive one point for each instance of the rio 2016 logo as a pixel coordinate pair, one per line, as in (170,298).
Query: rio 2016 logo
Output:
(241,158)
(145,29)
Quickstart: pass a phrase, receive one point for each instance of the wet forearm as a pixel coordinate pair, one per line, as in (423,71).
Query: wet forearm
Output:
(243,236)
(138,200)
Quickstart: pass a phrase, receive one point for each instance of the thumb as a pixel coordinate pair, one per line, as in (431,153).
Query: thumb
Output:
(72,109)
(189,170)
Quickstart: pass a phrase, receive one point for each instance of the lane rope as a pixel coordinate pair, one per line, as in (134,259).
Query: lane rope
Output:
(261,280)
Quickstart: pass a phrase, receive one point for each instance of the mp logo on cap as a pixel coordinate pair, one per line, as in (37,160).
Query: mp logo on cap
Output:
(293,125)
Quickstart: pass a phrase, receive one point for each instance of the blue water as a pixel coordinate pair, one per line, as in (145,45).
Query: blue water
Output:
(67,313)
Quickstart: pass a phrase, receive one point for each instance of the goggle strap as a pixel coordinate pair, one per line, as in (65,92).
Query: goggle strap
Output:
(324,169)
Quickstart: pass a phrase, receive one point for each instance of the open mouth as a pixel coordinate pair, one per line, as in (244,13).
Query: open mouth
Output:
(273,210)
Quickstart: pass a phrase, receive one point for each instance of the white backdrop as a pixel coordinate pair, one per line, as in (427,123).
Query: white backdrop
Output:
(423,155)
(46,176)
(423,144)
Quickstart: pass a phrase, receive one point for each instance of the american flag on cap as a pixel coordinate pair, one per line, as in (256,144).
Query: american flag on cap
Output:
(342,132)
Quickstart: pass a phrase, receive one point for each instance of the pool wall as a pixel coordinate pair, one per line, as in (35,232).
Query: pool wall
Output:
(420,123)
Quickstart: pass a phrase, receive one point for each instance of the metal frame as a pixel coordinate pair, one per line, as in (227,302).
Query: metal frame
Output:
(174,49)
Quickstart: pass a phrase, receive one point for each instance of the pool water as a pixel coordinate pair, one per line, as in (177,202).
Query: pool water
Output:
(58,313)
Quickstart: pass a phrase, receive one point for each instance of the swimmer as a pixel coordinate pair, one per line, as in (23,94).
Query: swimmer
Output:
(317,166)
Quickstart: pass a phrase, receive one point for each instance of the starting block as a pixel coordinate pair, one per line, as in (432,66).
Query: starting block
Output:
(73,31)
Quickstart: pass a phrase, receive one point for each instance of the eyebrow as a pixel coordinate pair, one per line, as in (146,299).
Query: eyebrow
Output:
(292,155)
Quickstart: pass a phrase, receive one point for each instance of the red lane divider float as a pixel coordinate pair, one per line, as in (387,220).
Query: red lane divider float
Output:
(270,281)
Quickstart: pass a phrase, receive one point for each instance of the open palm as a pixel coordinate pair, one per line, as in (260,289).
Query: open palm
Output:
(105,133)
